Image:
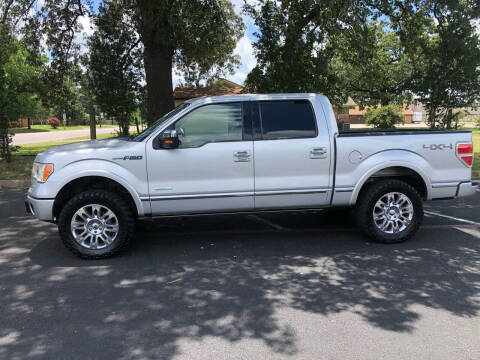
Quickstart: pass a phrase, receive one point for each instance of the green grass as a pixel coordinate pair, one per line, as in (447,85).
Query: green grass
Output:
(48,128)
(19,168)
(34,149)
(476,150)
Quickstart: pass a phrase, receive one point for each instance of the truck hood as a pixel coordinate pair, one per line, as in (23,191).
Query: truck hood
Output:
(107,149)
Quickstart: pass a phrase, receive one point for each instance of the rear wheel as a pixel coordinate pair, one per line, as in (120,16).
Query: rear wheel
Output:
(389,211)
(96,224)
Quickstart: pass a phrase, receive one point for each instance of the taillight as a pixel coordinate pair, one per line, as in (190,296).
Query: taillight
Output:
(465,153)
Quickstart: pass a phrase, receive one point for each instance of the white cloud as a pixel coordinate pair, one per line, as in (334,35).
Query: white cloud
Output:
(247,60)
(87,29)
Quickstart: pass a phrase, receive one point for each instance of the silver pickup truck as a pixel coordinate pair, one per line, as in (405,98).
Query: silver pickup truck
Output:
(246,153)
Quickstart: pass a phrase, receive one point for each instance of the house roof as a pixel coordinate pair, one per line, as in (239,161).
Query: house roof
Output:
(184,93)
(220,87)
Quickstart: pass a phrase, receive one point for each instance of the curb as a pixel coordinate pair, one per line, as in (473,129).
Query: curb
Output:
(14,184)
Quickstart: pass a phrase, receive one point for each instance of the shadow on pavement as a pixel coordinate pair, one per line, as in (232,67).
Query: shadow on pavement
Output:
(188,284)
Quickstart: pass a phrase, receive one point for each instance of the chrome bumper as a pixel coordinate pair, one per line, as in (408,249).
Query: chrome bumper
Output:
(467,189)
(40,208)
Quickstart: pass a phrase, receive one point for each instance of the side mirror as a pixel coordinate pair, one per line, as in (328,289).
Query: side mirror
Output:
(168,140)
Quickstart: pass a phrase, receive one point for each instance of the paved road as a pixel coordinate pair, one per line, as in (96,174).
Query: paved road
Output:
(38,137)
(290,286)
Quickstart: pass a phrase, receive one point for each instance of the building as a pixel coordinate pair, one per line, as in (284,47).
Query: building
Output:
(220,87)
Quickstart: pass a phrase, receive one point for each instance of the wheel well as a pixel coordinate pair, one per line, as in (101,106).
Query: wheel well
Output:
(410,176)
(88,183)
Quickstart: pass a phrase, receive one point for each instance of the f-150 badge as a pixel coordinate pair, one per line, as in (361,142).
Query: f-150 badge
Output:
(129,157)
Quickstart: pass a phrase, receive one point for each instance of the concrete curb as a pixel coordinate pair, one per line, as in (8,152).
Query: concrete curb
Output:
(14,184)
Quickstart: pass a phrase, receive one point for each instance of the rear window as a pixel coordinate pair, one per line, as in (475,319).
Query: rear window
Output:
(287,119)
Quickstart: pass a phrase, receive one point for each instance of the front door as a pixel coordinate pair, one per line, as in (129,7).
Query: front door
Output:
(292,156)
(211,170)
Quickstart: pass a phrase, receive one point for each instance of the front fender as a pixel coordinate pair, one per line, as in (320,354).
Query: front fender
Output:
(100,168)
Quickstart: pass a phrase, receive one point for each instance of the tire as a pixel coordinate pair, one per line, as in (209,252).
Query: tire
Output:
(391,224)
(88,213)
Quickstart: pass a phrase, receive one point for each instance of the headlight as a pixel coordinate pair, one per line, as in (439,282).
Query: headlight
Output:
(41,172)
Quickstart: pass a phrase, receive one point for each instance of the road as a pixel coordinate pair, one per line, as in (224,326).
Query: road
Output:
(39,137)
(284,286)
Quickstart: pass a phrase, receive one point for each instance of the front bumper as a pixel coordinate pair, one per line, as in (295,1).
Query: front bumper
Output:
(40,208)
(467,189)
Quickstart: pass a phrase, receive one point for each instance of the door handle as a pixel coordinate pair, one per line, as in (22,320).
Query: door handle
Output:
(241,156)
(318,153)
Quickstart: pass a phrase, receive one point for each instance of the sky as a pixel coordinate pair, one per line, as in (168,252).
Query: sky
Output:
(243,49)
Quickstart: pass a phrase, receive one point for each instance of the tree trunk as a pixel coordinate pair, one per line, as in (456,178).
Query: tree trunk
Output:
(93,127)
(29,124)
(136,124)
(158,71)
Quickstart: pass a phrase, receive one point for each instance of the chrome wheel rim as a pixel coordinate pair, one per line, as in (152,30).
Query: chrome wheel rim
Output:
(393,212)
(94,226)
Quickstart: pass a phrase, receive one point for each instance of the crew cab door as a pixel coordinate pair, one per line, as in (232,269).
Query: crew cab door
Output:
(292,155)
(212,168)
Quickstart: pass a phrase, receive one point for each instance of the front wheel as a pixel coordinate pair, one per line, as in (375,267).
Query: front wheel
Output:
(389,211)
(96,224)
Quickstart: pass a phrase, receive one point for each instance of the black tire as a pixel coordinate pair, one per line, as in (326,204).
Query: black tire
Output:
(112,201)
(373,193)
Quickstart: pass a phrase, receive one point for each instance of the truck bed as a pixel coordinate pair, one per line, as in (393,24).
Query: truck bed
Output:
(381,132)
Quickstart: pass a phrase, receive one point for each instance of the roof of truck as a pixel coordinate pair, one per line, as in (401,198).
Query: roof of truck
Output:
(250,97)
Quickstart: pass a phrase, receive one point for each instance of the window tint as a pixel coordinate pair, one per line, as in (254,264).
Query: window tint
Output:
(287,119)
(210,123)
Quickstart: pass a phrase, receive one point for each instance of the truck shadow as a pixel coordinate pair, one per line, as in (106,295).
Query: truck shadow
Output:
(182,282)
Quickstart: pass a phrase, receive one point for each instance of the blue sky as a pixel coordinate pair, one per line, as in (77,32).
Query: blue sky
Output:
(244,47)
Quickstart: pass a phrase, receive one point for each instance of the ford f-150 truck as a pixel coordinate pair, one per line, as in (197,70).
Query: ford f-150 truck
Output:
(246,153)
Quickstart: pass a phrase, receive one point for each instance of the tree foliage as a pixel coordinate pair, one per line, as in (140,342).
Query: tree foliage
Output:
(385,117)
(115,64)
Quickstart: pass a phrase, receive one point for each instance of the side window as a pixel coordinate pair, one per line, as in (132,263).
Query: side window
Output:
(287,119)
(210,123)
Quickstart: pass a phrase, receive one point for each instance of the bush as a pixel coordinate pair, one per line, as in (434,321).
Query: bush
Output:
(54,122)
(385,117)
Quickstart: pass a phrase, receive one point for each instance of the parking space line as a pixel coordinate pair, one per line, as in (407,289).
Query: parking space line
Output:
(451,217)
(266,222)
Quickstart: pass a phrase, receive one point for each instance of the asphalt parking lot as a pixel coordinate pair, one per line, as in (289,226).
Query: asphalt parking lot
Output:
(283,286)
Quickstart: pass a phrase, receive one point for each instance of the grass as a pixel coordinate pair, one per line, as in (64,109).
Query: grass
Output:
(35,148)
(476,150)
(48,128)
(19,168)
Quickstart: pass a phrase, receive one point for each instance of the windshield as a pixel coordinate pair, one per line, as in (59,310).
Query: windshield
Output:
(145,133)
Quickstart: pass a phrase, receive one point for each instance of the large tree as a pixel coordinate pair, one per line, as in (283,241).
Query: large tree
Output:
(450,55)
(373,65)
(294,49)
(197,37)
(115,65)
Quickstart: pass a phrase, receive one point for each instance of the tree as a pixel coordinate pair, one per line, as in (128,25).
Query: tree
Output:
(115,64)
(17,79)
(451,62)
(295,45)
(373,65)
(384,117)
(197,37)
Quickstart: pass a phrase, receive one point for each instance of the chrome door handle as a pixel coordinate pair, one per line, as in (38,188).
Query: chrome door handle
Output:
(318,153)
(241,156)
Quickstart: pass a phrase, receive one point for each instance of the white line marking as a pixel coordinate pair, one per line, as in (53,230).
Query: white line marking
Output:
(266,222)
(451,217)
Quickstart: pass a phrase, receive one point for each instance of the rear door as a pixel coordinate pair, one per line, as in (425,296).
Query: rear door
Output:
(291,155)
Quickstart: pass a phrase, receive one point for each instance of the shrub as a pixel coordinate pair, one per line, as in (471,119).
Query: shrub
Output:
(54,122)
(384,117)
